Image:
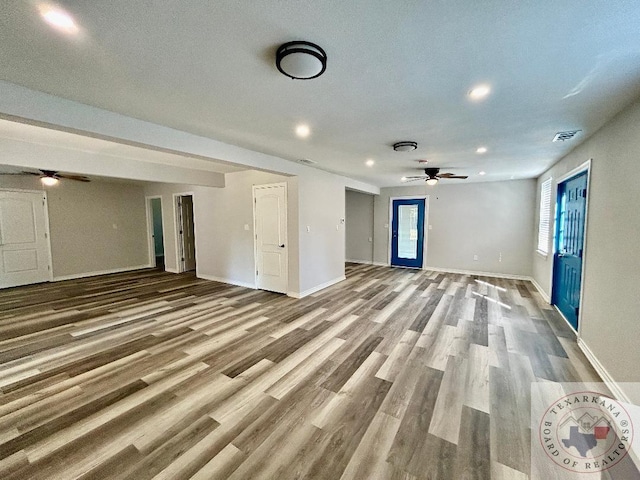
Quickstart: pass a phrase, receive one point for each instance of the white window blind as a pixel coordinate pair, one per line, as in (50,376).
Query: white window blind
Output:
(544,223)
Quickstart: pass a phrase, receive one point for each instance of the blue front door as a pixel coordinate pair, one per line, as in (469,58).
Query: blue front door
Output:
(407,233)
(569,243)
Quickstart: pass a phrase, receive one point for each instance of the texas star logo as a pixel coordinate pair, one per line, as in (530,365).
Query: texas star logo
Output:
(586,432)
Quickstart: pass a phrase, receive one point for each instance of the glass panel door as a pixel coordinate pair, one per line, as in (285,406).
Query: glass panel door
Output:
(407,233)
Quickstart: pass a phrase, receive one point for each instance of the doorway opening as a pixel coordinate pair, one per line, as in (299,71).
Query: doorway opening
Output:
(569,245)
(407,232)
(271,249)
(155,231)
(186,233)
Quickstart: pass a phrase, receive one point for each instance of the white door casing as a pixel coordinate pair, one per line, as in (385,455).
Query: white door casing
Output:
(271,249)
(25,255)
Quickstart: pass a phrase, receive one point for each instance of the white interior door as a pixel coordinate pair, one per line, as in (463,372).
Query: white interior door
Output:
(24,246)
(270,217)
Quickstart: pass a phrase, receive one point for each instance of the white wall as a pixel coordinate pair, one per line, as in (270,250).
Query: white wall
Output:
(610,308)
(467,219)
(319,198)
(322,248)
(224,249)
(95,227)
(359,226)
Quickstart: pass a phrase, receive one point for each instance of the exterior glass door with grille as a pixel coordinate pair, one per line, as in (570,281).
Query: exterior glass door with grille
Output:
(407,233)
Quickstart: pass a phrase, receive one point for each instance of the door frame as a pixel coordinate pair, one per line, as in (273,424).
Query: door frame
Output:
(47,230)
(584,167)
(255,230)
(176,225)
(424,226)
(150,231)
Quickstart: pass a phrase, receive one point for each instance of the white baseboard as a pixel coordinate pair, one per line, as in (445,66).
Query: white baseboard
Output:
(542,293)
(363,262)
(317,288)
(608,379)
(479,274)
(171,270)
(591,357)
(226,280)
(380,264)
(100,272)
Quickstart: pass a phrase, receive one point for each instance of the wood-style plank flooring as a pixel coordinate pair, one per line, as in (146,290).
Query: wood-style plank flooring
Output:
(390,374)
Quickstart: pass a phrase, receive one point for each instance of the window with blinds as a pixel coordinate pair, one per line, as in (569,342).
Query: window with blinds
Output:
(544,222)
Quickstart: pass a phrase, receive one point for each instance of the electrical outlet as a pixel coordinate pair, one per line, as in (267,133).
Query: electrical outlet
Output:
(370,239)
(308,228)
(475,258)
(500,257)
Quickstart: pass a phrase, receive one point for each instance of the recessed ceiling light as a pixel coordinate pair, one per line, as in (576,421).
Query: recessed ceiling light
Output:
(479,92)
(482,173)
(303,131)
(370,162)
(481,150)
(58,19)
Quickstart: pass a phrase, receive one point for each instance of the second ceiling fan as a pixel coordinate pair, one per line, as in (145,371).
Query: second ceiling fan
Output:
(433,175)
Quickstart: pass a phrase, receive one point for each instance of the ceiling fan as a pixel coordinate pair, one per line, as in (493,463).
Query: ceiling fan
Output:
(432,175)
(51,177)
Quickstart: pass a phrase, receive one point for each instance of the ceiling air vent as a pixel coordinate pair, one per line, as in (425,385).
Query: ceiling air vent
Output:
(568,135)
(306,161)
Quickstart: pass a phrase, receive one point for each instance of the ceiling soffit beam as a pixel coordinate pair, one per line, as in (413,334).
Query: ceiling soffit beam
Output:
(41,107)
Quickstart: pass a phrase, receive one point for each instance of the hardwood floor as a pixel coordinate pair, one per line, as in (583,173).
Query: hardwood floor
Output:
(390,374)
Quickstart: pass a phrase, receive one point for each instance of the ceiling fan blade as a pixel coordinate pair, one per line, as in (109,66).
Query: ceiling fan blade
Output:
(451,175)
(414,179)
(17,173)
(79,178)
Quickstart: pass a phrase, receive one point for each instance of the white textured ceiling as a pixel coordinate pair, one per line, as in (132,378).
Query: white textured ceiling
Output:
(396,70)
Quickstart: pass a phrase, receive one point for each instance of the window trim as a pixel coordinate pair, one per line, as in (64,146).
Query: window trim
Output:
(544,218)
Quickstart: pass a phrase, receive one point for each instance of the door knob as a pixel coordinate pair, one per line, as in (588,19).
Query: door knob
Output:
(281,246)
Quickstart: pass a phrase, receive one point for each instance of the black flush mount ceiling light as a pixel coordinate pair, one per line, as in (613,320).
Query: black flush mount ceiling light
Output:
(405,146)
(301,60)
